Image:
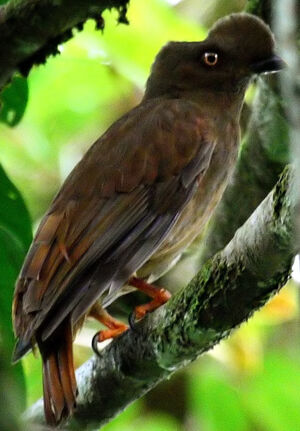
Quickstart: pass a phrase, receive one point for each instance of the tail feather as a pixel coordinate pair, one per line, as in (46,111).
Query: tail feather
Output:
(69,341)
(66,378)
(59,383)
(48,408)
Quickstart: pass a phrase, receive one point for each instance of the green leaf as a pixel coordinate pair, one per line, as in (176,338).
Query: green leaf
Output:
(11,257)
(9,400)
(15,237)
(14,216)
(13,101)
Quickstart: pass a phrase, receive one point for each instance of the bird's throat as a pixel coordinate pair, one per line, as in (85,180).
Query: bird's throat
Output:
(223,105)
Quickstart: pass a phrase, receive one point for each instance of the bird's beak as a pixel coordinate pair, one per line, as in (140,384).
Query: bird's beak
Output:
(270,65)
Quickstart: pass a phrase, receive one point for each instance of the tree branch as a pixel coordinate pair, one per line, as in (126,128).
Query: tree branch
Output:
(227,290)
(31,30)
(289,37)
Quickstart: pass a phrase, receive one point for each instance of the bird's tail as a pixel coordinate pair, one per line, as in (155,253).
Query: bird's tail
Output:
(59,383)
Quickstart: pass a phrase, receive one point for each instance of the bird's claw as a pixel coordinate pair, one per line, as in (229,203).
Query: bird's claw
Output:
(95,341)
(108,334)
(132,320)
(134,317)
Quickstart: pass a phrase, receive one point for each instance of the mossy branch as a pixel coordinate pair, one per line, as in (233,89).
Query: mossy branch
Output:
(225,293)
(31,30)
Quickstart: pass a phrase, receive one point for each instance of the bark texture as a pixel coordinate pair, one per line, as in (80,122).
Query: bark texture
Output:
(31,30)
(226,292)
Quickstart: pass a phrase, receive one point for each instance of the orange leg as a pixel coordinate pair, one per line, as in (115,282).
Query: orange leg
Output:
(116,327)
(160,296)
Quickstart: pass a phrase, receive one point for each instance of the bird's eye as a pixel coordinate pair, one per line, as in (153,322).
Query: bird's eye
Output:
(210,58)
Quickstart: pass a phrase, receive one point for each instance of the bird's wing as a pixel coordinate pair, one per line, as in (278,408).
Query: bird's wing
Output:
(112,212)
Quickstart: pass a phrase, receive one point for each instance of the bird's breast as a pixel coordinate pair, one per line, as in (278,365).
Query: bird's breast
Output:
(200,208)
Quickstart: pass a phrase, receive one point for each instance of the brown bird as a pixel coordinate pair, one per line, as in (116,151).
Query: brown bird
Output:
(138,197)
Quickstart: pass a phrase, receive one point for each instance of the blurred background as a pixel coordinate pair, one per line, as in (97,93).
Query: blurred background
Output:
(249,382)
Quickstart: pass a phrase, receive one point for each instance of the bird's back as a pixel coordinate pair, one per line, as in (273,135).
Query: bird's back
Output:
(116,207)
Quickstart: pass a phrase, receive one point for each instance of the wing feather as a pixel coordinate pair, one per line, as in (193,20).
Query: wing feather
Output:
(112,213)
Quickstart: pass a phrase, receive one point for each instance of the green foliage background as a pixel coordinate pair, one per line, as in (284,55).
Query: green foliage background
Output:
(247,383)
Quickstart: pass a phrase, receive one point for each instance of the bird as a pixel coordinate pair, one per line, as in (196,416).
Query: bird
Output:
(138,197)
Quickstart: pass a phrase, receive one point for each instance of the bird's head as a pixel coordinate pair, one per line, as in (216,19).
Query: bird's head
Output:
(236,48)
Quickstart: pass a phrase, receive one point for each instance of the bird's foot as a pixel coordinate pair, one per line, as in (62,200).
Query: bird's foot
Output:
(160,296)
(106,335)
(115,327)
